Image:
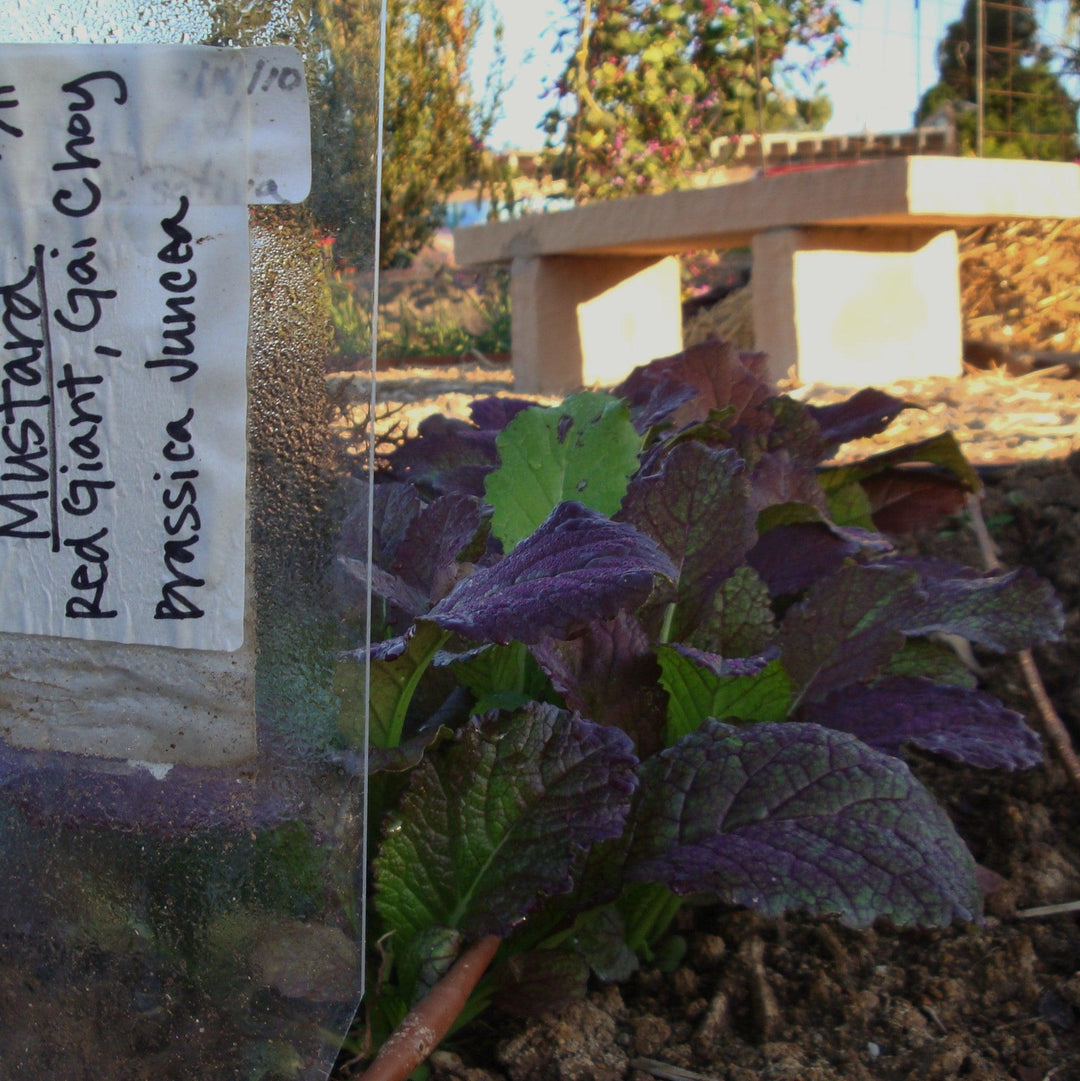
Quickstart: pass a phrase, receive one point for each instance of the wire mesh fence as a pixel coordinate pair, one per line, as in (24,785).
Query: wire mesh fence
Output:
(1023,103)
(999,75)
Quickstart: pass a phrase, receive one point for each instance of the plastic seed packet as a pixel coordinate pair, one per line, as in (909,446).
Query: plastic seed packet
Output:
(181,876)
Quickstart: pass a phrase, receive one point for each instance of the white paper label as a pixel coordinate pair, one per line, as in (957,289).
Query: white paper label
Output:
(124,288)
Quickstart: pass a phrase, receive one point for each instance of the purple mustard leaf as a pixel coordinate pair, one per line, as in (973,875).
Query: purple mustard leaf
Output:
(410,600)
(711,662)
(698,509)
(446,533)
(610,675)
(793,556)
(720,376)
(495,823)
(794,816)
(932,659)
(739,621)
(665,398)
(1004,612)
(790,558)
(387,650)
(793,431)
(723,666)
(778,478)
(747,666)
(966,726)
(446,455)
(395,506)
(902,501)
(494,414)
(866,413)
(638,388)
(579,566)
(848,626)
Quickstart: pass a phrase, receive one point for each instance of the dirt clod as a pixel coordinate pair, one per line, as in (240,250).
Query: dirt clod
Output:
(577,1044)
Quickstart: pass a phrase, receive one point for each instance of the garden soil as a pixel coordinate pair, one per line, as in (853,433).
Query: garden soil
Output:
(805,999)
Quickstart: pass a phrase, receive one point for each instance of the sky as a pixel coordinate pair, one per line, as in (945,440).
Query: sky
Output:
(890,61)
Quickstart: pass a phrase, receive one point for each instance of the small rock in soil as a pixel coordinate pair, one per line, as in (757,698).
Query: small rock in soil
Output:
(651,1033)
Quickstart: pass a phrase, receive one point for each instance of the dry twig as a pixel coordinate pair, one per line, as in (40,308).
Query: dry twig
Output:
(666,1072)
(1053,725)
(1039,911)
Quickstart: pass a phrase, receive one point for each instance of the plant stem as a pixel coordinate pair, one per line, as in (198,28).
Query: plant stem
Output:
(401,707)
(649,915)
(669,621)
(424,1026)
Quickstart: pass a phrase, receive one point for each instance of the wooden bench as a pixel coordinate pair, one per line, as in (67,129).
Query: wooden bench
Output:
(855,268)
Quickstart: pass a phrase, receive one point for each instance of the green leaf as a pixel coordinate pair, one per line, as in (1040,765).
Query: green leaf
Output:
(599,936)
(789,514)
(849,505)
(647,910)
(393,683)
(583,450)
(932,660)
(495,670)
(498,821)
(695,693)
(424,959)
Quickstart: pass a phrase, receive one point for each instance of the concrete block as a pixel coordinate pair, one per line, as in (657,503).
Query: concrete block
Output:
(857,306)
(579,321)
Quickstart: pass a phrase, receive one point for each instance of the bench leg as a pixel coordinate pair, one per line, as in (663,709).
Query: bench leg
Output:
(854,307)
(586,320)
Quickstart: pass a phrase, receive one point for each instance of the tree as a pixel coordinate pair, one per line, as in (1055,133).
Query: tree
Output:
(435,130)
(1027,111)
(649,86)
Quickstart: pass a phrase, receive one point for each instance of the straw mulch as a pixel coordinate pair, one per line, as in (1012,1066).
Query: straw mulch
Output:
(1021,285)
(731,320)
